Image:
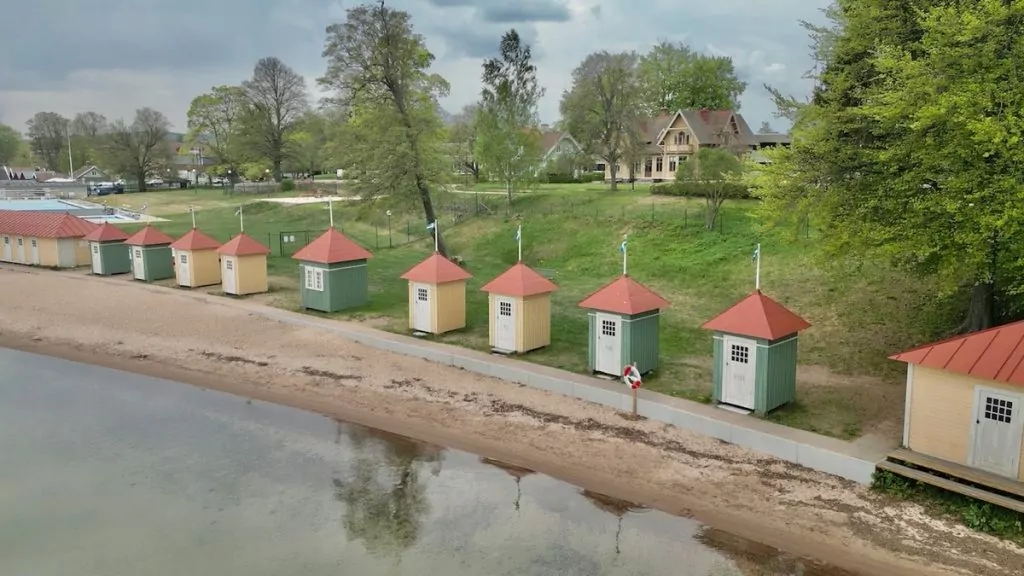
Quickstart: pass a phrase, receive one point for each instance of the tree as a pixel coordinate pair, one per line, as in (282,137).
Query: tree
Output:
(674,77)
(91,125)
(214,121)
(377,65)
(462,138)
(766,128)
(10,144)
(277,98)
(306,144)
(601,103)
(506,144)
(715,172)
(48,132)
(138,149)
(87,130)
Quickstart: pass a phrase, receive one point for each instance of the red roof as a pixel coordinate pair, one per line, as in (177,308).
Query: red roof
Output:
(44,224)
(106,232)
(243,245)
(436,270)
(993,354)
(520,280)
(148,236)
(195,240)
(624,296)
(757,316)
(332,247)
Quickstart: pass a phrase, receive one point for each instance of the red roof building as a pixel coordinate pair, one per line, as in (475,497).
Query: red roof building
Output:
(109,254)
(624,296)
(149,236)
(196,263)
(332,247)
(624,327)
(243,245)
(195,240)
(32,224)
(520,310)
(437,295)
(995,354)
(520,281)
(333,273)
(757,316)
(436,269)
(106,232)
(243,266)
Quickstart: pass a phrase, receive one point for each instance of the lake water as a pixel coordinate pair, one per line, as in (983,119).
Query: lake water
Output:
(107,473)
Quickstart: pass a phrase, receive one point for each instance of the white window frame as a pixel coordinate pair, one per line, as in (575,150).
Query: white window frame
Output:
(229,264)
(314,278)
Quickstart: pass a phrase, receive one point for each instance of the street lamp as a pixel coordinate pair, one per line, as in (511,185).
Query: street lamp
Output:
(389,230)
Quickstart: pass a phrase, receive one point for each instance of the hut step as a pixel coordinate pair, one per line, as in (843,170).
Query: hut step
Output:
(735,409)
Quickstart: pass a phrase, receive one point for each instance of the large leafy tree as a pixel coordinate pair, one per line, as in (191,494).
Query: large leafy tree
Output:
(378,68)
(672,76)
(215,121)
(462,136)
(139,149)
(48,132)
(87,132)
(306,144)
(601,105)
(506,145)
(10,144)
(910,149)
(276,97)
(715,172)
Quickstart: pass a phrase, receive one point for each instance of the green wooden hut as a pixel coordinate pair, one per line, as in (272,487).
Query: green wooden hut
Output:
(755,354)
(333,273)
(151,255)
(624,318)
(110,255)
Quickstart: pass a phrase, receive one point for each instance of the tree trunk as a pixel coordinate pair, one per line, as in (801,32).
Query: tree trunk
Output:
(277,170)
(613,166)
(421,182)
(508,191)
(981,312)
(710,214)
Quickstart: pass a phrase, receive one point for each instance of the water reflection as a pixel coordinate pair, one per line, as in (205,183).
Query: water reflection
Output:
(514,471)
(756,559)
(615,507)
(384,496)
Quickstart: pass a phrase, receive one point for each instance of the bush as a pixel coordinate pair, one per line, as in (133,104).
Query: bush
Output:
(588,177)
(699,190)
(287,185)
(558,178)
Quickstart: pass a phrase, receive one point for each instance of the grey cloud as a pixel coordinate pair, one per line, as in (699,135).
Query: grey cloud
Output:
(526,11)
(482,41)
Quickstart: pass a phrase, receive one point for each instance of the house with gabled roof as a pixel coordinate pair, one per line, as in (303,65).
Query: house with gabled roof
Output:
(672,138)
(44,238)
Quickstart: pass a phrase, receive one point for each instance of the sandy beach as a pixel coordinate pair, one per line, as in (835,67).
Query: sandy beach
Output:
(164,332)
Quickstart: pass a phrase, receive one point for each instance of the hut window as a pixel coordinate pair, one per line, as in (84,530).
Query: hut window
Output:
(608,327)
(505,308)
(20,243)
(184,258)
(422,294)
(740,354)
(138,253)
(95,249)
(7,240)
(314,279)
(33,242)
(229,264)
(998,409)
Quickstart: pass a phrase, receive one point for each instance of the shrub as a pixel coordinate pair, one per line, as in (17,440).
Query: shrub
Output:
(699,190)
(287,185)
(588,177)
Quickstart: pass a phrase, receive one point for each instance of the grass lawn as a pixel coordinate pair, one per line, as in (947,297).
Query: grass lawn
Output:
(847,386)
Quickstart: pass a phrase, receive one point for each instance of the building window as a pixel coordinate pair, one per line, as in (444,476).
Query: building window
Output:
(184,258)
(138,253)
(20,242)
(7,240)
(740,354)
(33,242)
(95,248)
(229,264)
(608,328)
(673,164)
(422,294)
(504,308)
(658,164)
(998,409)
(681,138)
(314,279)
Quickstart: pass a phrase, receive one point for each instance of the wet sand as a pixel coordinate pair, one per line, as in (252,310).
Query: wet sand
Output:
(166,333)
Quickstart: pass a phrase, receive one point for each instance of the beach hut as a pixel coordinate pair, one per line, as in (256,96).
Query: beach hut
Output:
(152,259)
(243,266)
(195,260)
(624,321)
(332,273)
(519,301)
(44,238)
(110,255)
(437,295)
(963,414)
(755,354)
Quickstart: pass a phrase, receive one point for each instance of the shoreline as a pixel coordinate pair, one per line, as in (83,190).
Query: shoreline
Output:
(165,334)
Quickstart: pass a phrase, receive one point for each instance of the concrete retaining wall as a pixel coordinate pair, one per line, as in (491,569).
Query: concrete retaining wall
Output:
(797,446)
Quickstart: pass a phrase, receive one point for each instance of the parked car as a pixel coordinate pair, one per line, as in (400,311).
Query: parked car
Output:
(152,182)
(104,189)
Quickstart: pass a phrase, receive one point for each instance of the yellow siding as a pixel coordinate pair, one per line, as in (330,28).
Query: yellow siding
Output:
(205,267)
(942,413)
(449,306)
(47,251)
(533,327)
(251,274)
(83,254)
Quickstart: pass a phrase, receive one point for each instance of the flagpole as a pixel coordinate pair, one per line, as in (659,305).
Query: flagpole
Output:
(192,209)
(624,249)
(519,240)
(330,208)
(436,234)
(241,220)
(757,273)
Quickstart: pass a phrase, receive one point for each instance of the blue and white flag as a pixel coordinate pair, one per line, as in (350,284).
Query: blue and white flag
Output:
(239,211)
(432,225)
(757,253)
(519,233)
(144,207)
(622,247)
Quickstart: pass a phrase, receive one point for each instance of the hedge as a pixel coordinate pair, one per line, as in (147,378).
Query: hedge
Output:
(699,190)
(557,178)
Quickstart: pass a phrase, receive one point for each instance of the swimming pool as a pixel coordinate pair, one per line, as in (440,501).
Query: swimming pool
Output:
(45,205)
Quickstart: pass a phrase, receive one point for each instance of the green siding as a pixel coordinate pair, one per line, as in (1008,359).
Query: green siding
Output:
(774,371)
(346,285)
(116,257)
(592,342)
(717,368)
(157,263)
(640,340)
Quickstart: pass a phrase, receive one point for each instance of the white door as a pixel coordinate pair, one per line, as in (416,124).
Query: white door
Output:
(34,251)
(7,248)
(138,264)
(997,432)
(228,274)
(421,308)
(504,324)
(21,250)
(608,352)
(184,273)
(738,375)
(97,259)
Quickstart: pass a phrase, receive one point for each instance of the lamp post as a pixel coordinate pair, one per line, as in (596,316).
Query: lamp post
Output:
(389,230)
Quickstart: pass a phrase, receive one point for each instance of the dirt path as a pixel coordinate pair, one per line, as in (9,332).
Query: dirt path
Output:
(166,333)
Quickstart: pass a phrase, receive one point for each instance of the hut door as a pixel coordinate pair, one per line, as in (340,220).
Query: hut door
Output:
(609,344)
(35,250)
(184,273)
(505,324)
(997,432)
(138,264)
(738,372)
(227,275)
(421,308)
(97,259)
(7,249)
(21,251)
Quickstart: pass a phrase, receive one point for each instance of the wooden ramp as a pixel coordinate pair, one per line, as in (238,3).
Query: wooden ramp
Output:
(977,484)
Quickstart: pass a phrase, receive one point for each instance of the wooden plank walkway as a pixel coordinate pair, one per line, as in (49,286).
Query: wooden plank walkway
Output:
(953,486)
(966,473)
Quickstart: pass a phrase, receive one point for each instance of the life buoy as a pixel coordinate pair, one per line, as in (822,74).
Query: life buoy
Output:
(631,376)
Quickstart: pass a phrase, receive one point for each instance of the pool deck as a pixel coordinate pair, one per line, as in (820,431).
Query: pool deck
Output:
(855,461)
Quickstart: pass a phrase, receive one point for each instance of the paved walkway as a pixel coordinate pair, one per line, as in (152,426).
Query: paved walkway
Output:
(853,461)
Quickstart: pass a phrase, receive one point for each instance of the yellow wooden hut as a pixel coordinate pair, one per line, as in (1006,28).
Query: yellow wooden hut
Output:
(243,266)
(44,238)
(437,295)
(520,310)
(195,260)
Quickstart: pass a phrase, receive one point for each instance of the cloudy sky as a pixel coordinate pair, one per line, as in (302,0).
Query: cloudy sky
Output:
(113,56)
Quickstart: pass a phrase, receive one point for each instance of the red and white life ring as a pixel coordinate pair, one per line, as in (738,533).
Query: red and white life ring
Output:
(631,376)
